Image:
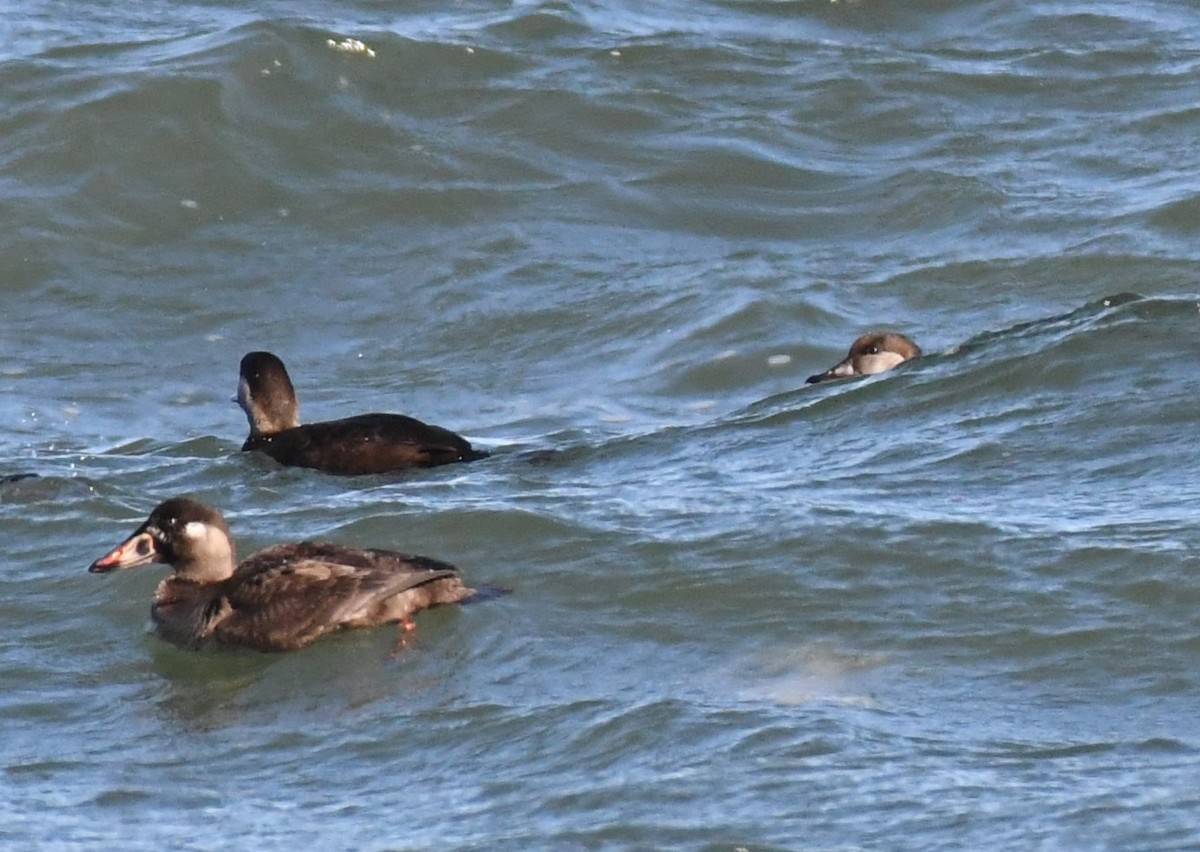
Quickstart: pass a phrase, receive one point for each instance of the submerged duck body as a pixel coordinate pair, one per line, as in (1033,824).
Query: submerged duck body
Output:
(874,352)
(277,599)
(366,443)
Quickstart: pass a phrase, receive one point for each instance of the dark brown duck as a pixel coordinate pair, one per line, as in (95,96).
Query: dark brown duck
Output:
(874,352)
(367,443)
(277,599)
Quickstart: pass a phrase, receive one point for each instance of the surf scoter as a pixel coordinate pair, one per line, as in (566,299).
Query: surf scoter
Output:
(366,443)
(277,599)
(874,352)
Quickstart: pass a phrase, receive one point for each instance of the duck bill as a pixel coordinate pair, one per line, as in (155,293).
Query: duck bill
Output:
(840,370)
(138,549)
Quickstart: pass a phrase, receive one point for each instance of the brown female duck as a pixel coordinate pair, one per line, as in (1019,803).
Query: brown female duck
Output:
(279,598)
(367,443)
(874,352)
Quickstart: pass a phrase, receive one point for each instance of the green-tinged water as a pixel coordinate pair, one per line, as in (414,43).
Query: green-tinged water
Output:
(949,607)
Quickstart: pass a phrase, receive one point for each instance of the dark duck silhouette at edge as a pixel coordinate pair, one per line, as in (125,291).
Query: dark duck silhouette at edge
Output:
(364,444)
(277,599)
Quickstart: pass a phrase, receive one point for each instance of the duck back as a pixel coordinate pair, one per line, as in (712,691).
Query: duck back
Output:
(367,443)
(286,596)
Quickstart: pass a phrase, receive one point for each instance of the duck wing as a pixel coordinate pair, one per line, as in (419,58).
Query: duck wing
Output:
(286,596)
(367,443)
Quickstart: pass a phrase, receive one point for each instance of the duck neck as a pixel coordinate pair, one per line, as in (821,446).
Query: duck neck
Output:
(185,612)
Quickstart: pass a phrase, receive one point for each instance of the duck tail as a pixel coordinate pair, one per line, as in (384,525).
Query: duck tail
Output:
(485,592)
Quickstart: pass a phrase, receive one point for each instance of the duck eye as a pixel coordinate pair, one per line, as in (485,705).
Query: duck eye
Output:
(872,350)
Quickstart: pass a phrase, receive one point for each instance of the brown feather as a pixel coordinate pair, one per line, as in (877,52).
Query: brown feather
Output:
(366,443)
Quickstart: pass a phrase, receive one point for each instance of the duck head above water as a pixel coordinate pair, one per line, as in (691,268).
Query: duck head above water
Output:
(185,534)
(874,352)
(266,394)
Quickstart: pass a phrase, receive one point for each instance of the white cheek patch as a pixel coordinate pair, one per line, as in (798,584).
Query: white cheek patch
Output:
(881,362)
(195,529)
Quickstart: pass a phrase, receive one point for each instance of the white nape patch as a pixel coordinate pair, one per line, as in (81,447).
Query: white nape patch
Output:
(195,529)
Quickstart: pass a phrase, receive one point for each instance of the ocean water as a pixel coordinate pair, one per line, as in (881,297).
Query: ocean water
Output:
(951,606)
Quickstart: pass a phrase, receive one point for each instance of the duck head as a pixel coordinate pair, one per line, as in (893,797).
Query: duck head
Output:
(266,394)
(874,352)
(185,534)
